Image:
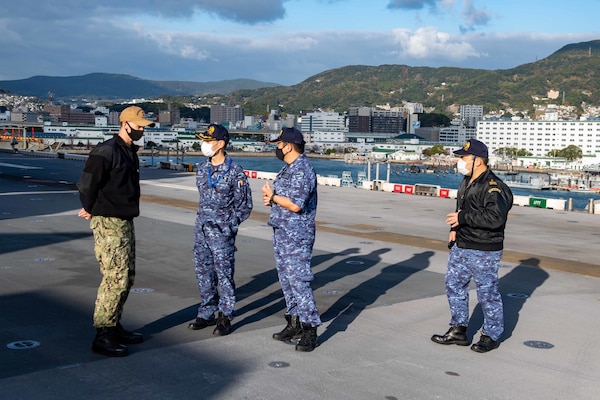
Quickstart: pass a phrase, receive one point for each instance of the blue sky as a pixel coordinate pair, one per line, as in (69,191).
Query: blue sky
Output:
(281,41)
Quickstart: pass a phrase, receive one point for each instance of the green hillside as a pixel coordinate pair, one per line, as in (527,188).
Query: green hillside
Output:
(572,69)
(570,73)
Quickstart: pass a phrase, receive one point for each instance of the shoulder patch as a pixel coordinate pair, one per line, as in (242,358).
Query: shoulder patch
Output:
(494,189)
(492,182)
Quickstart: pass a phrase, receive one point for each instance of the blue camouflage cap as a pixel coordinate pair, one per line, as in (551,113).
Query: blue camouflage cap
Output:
(289,135)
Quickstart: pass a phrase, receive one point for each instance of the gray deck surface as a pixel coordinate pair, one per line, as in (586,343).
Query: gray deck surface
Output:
(379,263)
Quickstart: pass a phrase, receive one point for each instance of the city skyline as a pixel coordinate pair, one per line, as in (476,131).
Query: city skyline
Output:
(280,41)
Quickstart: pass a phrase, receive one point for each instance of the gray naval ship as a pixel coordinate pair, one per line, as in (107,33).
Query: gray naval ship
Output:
(379,263)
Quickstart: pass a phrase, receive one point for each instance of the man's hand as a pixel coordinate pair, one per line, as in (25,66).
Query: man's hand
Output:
(267,193)
(84,214)
(452,219)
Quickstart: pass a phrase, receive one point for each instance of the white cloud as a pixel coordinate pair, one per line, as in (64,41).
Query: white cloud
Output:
(428,42)
(208,40)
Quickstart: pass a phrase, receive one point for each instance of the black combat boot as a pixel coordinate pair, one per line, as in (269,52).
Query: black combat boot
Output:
(201,323)
(308,338)
(457,334)
(125,337)
(105,343)
(485,344)
(223,325)
(291,330)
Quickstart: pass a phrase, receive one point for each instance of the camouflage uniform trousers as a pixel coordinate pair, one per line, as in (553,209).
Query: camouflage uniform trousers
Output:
(114,247)
(293,254)
(214,260)
(482,267)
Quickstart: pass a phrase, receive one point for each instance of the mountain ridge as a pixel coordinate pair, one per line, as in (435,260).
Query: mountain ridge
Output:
(569,74)
(108,86)
(569,70)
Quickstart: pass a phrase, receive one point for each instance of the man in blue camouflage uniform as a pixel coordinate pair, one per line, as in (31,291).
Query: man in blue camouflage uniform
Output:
(109,189)
(293,202)
(225,201)
(476,242)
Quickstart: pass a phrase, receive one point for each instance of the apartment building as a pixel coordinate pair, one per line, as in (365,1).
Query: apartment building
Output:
(471,114)
(373,120)
(223,113)
(540,137)
(324,122)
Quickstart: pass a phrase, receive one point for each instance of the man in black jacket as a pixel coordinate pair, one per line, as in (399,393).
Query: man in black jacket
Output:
(109,190)
(476,242)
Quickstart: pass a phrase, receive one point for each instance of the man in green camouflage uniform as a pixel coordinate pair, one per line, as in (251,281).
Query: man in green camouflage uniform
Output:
(109,189)
(114,247)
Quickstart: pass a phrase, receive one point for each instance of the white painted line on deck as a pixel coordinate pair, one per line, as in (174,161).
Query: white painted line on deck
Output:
(169,185)
(40,192)
(19,166)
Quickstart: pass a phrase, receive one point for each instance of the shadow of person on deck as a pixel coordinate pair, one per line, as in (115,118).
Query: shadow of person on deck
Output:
(515,287)
(336,271)
(349,306)
(257,284)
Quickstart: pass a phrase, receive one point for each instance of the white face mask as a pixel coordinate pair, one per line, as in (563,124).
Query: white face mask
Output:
(461,166)
(207,149)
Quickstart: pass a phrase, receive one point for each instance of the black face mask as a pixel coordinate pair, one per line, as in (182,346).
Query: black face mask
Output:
(135,134)
(279,153)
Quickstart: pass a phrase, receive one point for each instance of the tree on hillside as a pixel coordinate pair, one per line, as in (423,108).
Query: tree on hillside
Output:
(433,120)
(197,114)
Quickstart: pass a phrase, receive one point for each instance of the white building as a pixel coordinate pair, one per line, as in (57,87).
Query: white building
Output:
(540,137)
(470,115)
(101,120)
(324,122)
(5,116)
(328,136)
(412,111)
(457,133)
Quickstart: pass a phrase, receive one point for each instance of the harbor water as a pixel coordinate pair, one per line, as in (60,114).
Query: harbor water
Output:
(399,173)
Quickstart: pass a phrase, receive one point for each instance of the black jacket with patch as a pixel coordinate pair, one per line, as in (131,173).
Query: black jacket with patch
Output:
(484,205)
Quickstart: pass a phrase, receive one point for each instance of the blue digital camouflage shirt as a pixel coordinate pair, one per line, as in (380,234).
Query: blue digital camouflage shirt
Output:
(225,195)
(298,182)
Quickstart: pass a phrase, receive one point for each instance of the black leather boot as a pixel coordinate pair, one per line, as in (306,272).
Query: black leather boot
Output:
(106,344)
(125,337)
(292,329)
(485,344)
(457,334)
(201,323)
(223,325)
(308,338)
